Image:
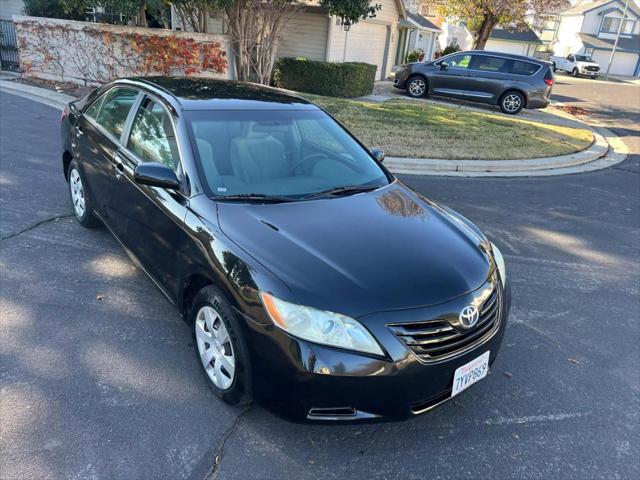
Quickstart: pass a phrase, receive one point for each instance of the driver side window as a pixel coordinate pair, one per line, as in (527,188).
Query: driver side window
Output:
(152,136)
(458,61)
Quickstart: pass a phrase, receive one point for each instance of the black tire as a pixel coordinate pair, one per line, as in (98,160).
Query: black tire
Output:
(84,216)
(240,390)
(554,68)
(575,72)
(417,86)
(509,104)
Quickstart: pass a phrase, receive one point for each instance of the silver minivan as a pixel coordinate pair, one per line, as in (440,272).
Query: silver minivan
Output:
(512,82)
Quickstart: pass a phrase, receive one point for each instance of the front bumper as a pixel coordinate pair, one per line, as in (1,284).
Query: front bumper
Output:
(400,78)
(589,73)
(303,381)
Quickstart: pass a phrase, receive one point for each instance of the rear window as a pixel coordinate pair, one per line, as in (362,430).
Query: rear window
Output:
(519,67)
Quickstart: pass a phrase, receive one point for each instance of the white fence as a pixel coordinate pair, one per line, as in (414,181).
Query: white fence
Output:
(93,53)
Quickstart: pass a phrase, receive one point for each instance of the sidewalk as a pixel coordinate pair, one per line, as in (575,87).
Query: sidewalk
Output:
(606,150)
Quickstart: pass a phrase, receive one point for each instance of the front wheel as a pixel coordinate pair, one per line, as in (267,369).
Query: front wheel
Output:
(575,72)
(512,102)
(416,86)
(82,207)
(221,347)
(555,69)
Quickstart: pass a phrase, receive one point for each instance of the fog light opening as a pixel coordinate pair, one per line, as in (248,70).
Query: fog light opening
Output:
(331,413)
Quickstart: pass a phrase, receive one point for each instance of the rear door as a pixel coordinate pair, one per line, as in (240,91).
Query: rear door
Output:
(154,216)
(98,134)
(451,78)
(487,76)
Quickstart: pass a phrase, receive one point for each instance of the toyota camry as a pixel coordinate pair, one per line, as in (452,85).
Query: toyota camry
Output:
(314,281)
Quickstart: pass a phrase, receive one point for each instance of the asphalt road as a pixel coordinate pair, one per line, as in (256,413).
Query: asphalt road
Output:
(99,379)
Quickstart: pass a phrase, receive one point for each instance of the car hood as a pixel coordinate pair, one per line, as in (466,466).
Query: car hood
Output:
(587,64)
(388,249)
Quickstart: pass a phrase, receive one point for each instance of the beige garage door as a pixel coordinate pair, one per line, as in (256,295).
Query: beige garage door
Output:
(366,43)
(623,63)
(305,36)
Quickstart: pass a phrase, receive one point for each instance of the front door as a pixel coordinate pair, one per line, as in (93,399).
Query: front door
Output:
(451,78)
(154,216)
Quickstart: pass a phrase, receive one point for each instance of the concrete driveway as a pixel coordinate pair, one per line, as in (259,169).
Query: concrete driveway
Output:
(99,379)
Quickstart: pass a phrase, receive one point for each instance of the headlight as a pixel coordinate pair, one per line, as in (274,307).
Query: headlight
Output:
(318,326)
(497,256)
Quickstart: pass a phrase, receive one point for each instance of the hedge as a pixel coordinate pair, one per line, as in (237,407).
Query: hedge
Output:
(349,79)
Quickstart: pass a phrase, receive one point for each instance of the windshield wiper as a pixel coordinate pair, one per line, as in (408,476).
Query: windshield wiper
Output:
(255,198)
(346,190)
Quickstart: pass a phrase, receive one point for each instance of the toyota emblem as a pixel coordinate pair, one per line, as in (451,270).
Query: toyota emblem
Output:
(469,316)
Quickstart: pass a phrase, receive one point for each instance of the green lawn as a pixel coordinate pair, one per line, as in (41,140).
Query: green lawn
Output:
(404,128)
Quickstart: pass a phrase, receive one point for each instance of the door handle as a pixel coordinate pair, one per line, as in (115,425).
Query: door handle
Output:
(78,130)
(118,170)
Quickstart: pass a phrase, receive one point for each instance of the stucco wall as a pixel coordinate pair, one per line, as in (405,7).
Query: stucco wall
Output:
(91,53)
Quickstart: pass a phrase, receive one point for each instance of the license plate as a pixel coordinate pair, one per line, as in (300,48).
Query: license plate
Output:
(470,373)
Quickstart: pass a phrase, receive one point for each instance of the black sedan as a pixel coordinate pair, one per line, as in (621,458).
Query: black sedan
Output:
(314,281)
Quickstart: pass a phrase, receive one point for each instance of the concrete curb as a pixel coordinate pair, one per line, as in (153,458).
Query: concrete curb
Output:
(606,150)
(42,95)
(597,150)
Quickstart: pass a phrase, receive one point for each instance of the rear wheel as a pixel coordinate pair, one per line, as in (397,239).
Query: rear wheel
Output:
(512,102)
(82,207)
(416,86)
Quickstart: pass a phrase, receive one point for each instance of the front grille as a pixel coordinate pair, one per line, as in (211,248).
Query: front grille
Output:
(437,339)
(592,68)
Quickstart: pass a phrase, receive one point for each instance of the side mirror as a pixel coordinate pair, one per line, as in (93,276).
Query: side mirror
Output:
(444,65)
(156,175)
(378,154)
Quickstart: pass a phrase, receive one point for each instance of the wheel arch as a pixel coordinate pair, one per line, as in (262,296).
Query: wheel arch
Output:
(195,282)
(515,89)
(67,157)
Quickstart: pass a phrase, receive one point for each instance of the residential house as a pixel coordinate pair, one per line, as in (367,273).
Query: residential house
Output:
(315,35)
(415,32)
(546,24)
(590,27)
(519,41)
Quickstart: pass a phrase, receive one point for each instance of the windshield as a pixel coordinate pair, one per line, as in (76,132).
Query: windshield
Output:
(583,58)
(285,153)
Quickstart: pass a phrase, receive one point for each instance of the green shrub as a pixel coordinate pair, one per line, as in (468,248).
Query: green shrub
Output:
(415,56)
(348,79)
(51,9)
(449,49)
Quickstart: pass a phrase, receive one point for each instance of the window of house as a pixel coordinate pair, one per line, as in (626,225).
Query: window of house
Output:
(611,25)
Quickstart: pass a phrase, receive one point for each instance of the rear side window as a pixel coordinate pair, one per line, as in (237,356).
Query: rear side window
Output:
(94,109)
(115,109)
(519,67)
(152,136)
(488,64)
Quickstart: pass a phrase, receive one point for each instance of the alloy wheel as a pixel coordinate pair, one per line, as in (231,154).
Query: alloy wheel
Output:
(215,348)
(77,193)
(417,87)
(512,102)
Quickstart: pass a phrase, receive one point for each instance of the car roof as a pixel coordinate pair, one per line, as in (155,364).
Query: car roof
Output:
(192,93)
(505,55)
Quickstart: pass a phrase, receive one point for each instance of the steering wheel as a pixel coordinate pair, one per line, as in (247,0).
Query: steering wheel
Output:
(308,158)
